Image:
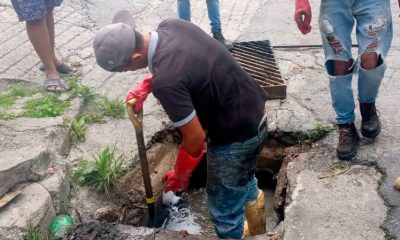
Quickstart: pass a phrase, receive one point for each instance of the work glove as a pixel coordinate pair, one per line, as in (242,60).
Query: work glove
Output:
(177,180)
(302,16)
(140,93)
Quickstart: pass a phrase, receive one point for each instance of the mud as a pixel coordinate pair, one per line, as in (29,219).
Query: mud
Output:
(97,231)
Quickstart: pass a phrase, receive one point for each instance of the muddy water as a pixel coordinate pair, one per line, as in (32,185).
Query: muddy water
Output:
(191,214)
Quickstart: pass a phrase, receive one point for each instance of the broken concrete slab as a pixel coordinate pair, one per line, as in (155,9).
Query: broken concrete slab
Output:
(58,185)
(33,206)
(341,207)
(27,148)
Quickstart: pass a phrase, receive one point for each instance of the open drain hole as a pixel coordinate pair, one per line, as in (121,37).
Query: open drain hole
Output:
(192,214)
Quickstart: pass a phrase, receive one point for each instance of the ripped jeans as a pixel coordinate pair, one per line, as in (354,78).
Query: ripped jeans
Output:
(374,34)
(231,182)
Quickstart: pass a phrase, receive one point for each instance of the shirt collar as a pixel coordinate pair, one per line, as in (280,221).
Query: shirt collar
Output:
(152,49)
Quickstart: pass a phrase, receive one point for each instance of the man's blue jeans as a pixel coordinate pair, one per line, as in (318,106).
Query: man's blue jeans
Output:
(213,13)
(374,35)
(231,183)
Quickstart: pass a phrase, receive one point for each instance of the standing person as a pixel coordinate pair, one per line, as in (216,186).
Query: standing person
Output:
(213,14)
(38,15)
(374,35)
(202,89)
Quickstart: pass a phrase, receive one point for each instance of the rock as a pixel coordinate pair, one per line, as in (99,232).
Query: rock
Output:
(397,183)
(59,188)
(75,61)
(107,214)
(33,206)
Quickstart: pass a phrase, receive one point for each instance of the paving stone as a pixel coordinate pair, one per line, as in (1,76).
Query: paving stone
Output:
(32,206)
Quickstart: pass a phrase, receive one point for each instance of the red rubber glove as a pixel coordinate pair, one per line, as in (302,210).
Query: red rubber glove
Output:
(140,93)
(302,16)
(178,179)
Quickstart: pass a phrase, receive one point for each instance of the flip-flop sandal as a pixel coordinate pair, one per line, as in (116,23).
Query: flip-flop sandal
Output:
(61,68)
(55,85)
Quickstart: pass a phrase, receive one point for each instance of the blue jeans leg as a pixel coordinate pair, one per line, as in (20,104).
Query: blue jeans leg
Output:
(214,15)
(342,98)
(369,82)
(231,183)
(184,9)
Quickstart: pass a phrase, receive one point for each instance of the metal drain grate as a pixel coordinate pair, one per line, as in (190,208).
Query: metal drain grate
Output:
(257,58)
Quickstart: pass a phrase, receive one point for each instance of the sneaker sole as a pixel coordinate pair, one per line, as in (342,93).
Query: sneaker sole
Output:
(371,134)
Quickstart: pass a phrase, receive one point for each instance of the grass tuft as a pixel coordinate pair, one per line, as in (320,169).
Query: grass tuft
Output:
(32,233)
(318,132)
(78,130)
(101,174)
(93,118)
(49,106)
(112,107)
(7,116)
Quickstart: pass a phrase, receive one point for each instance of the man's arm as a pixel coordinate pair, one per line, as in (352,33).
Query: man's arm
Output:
(193,136)
(302,16)
(188,158)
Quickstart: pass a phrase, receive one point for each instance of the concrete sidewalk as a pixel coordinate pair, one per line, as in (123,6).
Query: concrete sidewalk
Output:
(359,204)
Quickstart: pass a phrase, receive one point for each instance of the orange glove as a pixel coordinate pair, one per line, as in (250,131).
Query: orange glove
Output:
(177,180)
(140,93)
(302,16)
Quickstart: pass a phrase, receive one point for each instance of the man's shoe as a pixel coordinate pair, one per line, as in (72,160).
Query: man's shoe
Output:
(218,36)
(348,139)
(370,124)
(255,222)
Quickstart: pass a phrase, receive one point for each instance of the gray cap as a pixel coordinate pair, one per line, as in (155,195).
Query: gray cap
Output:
(115,43)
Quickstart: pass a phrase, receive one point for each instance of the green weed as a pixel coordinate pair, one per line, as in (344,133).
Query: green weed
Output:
(18,91)
(6,100)
(78,130)
(93,118)
(50,106)
(32,233)
(319,131)
(7,116)
(103,173)
(113,107)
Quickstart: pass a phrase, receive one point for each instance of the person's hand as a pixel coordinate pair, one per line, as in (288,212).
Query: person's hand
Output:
(140,93)
(302,16)
(177,180)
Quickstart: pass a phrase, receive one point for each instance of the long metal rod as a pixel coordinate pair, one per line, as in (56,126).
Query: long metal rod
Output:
(137,122)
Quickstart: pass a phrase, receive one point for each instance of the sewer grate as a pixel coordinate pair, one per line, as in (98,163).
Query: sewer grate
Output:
(257,58)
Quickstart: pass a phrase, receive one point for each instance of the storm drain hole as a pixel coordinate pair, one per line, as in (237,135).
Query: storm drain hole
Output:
(191,213)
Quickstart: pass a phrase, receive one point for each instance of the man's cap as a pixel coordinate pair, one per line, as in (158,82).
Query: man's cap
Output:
(115,43)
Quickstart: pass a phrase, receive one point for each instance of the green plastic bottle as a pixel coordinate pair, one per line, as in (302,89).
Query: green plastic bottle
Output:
(61,226)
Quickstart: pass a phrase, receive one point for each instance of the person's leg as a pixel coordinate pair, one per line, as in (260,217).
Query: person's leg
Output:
(50,27)
(215,22)
(39,36)
(214,15)
(336,23)
(374,35)
(231,184)
(184,9)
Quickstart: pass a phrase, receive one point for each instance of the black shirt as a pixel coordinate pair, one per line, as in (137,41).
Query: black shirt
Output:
(192,71)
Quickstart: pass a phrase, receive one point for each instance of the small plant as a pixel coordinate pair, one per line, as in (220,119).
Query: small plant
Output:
(17,91)
(113,107)
(93,118)
(86,93)
(32,233)
(103,172)
(319,131)
(7,116)
(78,130)
(6,100)
(50,106)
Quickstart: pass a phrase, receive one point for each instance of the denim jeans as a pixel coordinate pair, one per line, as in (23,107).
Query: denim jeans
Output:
(374,34)
(213,13)
(231,183)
